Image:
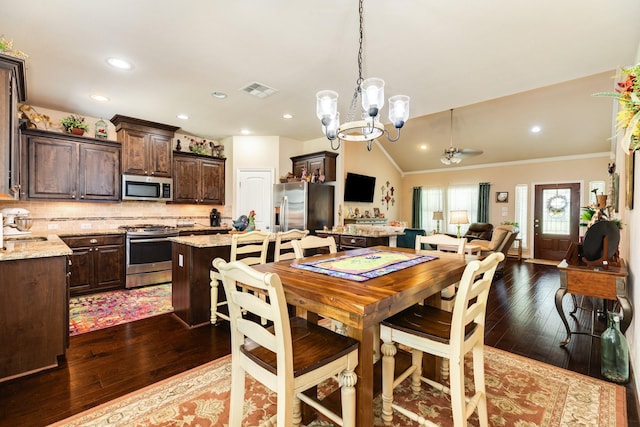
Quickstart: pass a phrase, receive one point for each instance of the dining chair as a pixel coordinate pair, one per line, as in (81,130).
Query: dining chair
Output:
(313,242)
(289,357)
(284,249)
(449,335)
(251,249)
(433,240)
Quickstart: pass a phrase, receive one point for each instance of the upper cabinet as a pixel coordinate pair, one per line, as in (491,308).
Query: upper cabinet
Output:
(12,91)
(321,163)
(59,166)
(146,146)
(198,179)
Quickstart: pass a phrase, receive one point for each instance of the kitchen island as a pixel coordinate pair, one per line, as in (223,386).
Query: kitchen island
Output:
(191,284)
(34,304)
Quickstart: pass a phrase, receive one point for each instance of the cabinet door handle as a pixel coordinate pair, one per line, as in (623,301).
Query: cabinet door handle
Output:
(93,241)
(353,240)
(82,196)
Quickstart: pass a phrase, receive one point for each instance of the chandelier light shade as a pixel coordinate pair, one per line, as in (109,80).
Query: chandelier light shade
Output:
(363,121)
(458,218)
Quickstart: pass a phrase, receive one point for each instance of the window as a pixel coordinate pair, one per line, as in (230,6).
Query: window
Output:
(462,198)
(521,212)
(432,201)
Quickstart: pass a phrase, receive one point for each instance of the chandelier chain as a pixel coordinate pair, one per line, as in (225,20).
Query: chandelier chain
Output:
(357,91)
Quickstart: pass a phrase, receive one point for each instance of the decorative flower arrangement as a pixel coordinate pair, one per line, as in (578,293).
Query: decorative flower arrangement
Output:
(6,48)
(205,147)
(33,117)
(73,121)
(627,93)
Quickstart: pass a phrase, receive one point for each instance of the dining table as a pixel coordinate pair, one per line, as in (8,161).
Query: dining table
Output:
(361,305)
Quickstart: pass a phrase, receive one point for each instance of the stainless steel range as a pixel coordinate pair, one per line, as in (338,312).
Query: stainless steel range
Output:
(148,254)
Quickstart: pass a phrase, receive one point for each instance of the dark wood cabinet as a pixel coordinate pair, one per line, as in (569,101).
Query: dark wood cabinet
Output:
(59,166)
(12,91)
(146,146)
(198,179)
(97,263)
(344,242)
(321,163)
(34,303)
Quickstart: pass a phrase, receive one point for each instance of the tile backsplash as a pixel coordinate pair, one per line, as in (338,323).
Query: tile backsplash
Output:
(56,217)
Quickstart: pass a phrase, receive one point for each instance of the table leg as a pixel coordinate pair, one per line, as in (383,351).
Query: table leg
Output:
(560,293)
(364,370)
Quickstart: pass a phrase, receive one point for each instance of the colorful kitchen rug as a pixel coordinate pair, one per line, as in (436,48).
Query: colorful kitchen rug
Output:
(521,392)
(97,311)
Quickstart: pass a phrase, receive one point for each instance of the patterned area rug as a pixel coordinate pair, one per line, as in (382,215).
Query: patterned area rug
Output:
(521,392)
(97,311)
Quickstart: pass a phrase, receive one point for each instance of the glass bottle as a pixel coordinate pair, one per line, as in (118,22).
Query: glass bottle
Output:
(615,351)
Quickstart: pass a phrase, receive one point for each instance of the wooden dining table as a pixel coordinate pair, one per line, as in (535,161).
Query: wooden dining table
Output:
(360,306)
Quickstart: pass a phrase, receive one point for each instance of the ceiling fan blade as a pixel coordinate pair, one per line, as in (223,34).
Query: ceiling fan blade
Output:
(469,152)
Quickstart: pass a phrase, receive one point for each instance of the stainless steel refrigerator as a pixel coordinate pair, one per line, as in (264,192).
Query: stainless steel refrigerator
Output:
(302,205)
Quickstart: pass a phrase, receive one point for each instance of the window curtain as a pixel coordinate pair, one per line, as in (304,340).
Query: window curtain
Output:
(416,208)
(483,201)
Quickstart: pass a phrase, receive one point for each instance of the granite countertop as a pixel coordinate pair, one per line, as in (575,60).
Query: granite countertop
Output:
(360,233)
(33,246)
(211,240)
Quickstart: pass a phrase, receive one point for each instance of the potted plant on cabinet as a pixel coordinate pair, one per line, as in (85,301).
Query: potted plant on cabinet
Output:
(74,124)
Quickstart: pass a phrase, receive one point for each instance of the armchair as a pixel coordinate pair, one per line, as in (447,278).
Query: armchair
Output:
(501,240)
(477,230)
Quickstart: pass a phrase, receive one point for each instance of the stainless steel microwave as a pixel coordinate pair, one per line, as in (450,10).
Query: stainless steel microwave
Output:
(147,188)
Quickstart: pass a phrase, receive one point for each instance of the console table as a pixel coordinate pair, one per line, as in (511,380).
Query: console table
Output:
(609,284)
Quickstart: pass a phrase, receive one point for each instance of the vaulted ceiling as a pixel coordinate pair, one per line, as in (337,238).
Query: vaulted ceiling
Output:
(502,65)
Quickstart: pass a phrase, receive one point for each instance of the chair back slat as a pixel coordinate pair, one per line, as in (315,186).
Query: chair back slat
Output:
(313,242)
(471,299)
(284,247)
(441,239)
(251,246)
(234,276)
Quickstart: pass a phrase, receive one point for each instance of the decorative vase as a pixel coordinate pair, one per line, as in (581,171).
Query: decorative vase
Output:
(77,131)
(615,351)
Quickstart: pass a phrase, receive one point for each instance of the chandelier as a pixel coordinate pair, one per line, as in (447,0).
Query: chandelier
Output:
(367,126)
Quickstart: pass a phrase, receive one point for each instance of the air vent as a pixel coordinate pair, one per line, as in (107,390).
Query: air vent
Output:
(258,90)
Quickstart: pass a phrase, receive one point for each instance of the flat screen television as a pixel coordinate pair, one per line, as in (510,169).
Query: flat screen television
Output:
(359,188)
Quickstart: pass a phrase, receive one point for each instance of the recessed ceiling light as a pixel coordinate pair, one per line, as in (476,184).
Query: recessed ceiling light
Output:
(99,98)
(287,116)
(536,129)
(423,147)
(183,117)
(219,95)
(245,131)
(119,63)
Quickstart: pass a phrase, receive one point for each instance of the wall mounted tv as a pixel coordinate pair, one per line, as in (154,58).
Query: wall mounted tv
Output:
(359,188)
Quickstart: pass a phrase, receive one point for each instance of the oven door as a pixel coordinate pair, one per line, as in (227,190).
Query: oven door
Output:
(148,259)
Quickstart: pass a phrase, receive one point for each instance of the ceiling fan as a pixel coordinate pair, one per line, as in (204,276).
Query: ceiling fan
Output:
(454,155)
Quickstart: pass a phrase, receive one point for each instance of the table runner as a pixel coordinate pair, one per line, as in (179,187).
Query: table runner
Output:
(364,265)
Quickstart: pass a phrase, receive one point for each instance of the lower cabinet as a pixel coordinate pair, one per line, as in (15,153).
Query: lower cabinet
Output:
(34,304)
(344,242)
(97,263)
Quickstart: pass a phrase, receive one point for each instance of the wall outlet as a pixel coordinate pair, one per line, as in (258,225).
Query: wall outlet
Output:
(52,226)
(85,226)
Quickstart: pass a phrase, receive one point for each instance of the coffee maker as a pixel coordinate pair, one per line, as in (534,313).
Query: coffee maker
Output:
(214,218)
(16,221)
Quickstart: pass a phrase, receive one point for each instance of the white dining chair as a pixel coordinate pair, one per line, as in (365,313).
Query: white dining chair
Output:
(449,335)
(289,357)
(251,249)
(284,248)
(314,242)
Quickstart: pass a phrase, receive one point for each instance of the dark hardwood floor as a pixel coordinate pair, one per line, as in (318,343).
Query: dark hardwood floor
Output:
(102,365)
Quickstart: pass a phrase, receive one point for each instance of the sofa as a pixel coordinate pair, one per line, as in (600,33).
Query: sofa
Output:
(477,230)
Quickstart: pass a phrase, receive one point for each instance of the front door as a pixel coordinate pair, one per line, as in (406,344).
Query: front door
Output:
(556,219)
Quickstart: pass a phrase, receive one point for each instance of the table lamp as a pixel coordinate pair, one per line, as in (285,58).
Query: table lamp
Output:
(437,216)
(457,218)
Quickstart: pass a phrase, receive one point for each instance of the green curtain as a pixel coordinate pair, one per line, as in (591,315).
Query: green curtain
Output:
(416,208)
(483,201)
